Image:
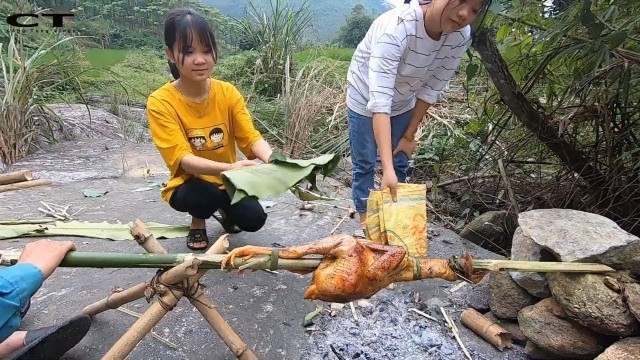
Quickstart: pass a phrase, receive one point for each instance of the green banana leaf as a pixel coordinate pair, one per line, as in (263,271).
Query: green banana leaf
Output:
(101,230)
(276,177)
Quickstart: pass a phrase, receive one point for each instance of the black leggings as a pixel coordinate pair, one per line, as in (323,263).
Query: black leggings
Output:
(201,199)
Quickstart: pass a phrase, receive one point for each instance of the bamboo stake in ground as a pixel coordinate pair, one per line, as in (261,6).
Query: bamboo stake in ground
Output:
(490,331)
(24,185)
(15,177)
(144,237)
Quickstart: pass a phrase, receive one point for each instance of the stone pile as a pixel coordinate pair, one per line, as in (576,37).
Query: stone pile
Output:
(564,315)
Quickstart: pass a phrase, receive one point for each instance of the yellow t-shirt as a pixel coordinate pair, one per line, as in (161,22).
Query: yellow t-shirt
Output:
(177,130)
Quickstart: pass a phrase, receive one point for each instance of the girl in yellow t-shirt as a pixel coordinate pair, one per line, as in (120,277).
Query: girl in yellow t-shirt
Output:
(196,122)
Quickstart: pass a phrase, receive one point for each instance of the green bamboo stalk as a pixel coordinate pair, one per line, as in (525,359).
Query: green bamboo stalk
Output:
(80,259)
(120,260)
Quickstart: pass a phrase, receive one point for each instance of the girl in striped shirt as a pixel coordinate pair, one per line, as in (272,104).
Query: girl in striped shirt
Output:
(397,71)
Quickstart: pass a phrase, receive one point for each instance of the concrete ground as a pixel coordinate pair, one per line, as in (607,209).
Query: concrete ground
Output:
(266,310)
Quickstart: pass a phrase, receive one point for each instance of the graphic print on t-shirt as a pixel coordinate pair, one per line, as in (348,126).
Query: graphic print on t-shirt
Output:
(208,138)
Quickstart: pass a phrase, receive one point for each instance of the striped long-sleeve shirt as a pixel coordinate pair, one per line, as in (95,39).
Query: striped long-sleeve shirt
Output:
(398,62)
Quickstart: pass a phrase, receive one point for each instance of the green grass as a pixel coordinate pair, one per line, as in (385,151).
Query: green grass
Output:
(105,58)
(308,55)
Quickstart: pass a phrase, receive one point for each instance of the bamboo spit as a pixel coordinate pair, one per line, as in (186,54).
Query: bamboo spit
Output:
(119,260)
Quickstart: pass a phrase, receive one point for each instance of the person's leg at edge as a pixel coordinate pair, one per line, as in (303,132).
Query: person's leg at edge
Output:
(200,199)
(363,156)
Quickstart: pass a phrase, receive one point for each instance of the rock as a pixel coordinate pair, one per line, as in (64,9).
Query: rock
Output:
(429,340)
(474,296)
(577,236)
(628,348)
(434,304)
(546,324)
(634,267)
(632,298)
(591,303)
(535,352)
(513,328)
(523,248)
(506,298)
(492,230)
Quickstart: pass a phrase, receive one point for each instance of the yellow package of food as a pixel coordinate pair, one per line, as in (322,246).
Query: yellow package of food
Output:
(403,223)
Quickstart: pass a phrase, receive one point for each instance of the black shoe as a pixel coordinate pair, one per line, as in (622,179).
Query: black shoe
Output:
(197,236)
(52,342)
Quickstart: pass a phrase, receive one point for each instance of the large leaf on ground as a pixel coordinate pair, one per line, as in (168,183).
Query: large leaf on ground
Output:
(101,230)
(17,230)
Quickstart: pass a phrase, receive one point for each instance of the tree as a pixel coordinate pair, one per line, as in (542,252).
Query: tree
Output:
(356,27)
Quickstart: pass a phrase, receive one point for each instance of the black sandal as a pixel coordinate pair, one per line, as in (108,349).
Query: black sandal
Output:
(52,342)
(197,236)
(227,225)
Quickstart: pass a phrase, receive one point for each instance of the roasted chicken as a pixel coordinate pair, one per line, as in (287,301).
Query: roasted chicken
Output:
(352,270)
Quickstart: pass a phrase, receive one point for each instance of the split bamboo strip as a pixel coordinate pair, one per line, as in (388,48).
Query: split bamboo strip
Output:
(24,185)
(539,266)
(15,177)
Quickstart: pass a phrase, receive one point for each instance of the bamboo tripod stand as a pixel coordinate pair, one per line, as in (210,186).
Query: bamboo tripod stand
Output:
(170,286)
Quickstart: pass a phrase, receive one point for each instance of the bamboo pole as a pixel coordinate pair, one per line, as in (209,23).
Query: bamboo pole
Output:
(24,185)
(144,237)
(115,300)
(146,261)
(123,347)
(217,322)
(15,177)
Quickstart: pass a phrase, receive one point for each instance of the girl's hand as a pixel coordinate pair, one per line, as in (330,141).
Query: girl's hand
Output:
(390,180)
(405,145)
(241,164)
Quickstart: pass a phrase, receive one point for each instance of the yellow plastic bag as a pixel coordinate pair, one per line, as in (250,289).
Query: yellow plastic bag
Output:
(403,223)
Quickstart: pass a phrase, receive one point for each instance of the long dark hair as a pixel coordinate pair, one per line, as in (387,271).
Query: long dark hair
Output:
(181,25)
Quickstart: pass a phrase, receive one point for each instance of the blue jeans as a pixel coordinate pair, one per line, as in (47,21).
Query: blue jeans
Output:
(364,153)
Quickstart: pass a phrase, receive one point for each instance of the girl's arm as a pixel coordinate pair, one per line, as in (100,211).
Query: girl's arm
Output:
(419,111)
(262,150)
(196,165)
(382,134)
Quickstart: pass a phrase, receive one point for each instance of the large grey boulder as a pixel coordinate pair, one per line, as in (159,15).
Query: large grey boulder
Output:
(506,298)
(524,248)
(546,324)
(587,300)
(577,236)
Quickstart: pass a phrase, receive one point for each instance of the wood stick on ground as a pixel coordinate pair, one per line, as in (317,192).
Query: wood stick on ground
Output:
(487,329)
(52,214)
(353,311)
(153,333)
(24,185)
(423,314)
(349,214)
(455,331)
(15,177)
(507,183)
